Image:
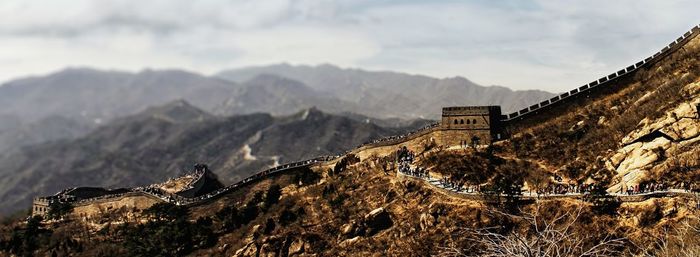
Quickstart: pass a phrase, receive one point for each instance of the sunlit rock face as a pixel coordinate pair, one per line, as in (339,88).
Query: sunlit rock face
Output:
(653,141)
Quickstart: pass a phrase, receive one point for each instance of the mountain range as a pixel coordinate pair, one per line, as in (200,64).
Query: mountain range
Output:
(74,101)
(164,141)
(82,126)
(391,94)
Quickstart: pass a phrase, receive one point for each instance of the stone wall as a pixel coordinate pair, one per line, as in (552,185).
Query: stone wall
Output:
(194,187)
(129,201)
(539,112)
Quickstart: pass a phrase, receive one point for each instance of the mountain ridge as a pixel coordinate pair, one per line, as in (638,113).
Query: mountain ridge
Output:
(151,145)
(398,90)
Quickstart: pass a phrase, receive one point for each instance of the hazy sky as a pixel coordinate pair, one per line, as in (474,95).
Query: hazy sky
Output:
(549,45)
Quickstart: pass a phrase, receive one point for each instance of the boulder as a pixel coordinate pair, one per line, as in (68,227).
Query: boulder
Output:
(266,251)
(636,160)
(248,250)
(347,229)
(602,121)
(296,247)
(377,220)
(577,126)
(349,242)
(254,232)
(653,138)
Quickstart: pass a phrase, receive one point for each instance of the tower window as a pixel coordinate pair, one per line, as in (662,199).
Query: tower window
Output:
(474,121)
(456,121)
(461,121)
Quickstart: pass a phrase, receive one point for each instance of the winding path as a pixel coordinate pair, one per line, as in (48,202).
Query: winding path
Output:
(436,183)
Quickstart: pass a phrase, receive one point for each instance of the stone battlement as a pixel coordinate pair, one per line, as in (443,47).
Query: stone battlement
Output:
(602,84)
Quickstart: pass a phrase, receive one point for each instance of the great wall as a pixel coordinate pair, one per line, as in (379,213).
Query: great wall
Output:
(480,127)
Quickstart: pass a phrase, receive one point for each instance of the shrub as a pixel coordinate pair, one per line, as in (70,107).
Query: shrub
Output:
(272,196)
(167,211)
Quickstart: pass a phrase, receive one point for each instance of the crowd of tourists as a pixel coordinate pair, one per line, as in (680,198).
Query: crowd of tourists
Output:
(652,186)
(563,189)
(406,157)
(458,185)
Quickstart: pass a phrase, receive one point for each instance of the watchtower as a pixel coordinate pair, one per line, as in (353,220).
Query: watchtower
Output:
(470,125)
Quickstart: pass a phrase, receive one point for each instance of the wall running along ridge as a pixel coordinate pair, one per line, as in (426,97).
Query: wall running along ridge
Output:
(445,135)
(605,85)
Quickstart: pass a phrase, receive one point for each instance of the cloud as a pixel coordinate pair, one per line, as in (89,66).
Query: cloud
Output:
(537,44)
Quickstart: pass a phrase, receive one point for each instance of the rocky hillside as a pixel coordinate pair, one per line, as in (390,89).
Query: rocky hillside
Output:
(645,130)
(356,209)
(164,141)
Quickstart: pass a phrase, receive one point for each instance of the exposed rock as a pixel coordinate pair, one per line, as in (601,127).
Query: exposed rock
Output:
(636,159)
(349,242)
(691,89)
(602,121)
(683,129)
(347,229)
(266,251)
(426,221)
(680,123)
(643,154)
(296,247)
(249,250)
(670,211)
(653,140)
(255,232)
(577,126)
(377,220)
(643,99)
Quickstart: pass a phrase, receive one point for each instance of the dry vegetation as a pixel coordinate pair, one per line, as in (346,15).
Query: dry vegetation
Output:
(578,142)
(327,214)
(362,208)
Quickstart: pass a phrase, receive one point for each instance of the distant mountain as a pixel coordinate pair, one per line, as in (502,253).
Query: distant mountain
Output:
(161,142)
(86,98)
(99,96)
(69,103)
(390,94)
(15,134)
(279,96)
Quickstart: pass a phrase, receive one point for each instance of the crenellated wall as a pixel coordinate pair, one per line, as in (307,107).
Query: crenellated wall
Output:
(605,85)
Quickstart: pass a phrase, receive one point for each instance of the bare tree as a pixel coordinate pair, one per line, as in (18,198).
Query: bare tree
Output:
(679,242)
(545,237)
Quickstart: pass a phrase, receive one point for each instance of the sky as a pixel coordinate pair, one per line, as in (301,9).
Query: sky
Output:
(524,44)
